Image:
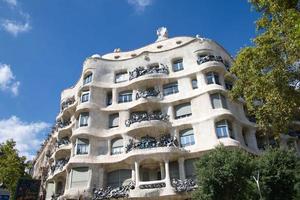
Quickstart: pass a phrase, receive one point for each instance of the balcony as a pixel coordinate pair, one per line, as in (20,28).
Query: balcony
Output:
(186,185)
(151,142)
(143,116)
(147,93)
(207,58)
(113,193)
(65,104)
(141,71)
(59,165)
(62,142)
(62,124)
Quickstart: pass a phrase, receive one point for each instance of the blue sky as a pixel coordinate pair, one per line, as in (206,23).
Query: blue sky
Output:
(44,43)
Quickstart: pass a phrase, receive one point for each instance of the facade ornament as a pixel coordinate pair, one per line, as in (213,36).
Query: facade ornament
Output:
(153,185)
(96,56)
(186,185)
(139,117)
(206,58)
(141,71)
(162,34)
(113,193)
(147,93)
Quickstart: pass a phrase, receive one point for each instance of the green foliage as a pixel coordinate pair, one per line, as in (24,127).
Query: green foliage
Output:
(227,174)
(269,71)
(12,166)
(224,174)
(279,174)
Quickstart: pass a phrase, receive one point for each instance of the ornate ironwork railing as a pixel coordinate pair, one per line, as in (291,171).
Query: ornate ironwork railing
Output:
(186,185)
(152,185)
(141,71)
(207,58)
(151,142)
(139,117)
(67,103)
(62,124)
(147,93)
(113,193)
(63,141)
(59,164)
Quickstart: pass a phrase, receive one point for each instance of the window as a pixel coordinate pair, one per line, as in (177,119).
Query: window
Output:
(224,129)
(177,65)
(117,146)
(113,120)
(170,88)
(183,110)
(245,137)
(121,77)
(83,119)
(228,85)
(212,78)
(85,97)
(189,168)
(87,79)
(50,190)
(118,178)
(125,96)
(79,177)
(174,170)
(187,137)
(218,101)
(82,146)
(109,98)
(194,83)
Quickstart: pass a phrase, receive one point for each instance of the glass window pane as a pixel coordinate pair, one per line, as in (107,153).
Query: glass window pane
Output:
(114,120)
(187,137)
(85,97)
(84,119)
(80,177)
(121,77)
(177,65)
(194,84)
(169,89)
(125,96)
(183,110)
(87,79)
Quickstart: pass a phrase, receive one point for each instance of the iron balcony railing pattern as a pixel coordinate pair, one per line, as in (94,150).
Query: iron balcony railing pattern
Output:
(152,185)
(207,58)
(147,93)
(59,164)
(186,185)
(143,116)
(62,142)
(62,124)
(151,142)
(141,71)
(69,101)
(113,193)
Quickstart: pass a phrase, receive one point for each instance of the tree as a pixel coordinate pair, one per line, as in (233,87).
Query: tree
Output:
(12,166)
(225,173)
(279,174)
(268,73)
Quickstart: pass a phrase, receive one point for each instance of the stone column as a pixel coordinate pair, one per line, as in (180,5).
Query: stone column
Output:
(162,170)
(137,173)
(109,146)
(133,173)
(114,96)
(167,171)
(170,112)
(134,95)
(181,168)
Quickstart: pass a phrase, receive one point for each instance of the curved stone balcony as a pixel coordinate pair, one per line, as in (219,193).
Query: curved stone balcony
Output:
(58,167)
(142,71)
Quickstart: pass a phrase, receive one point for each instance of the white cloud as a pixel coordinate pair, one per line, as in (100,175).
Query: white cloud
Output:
(140,5)
(27,135)
(11,2)
(14,27)
(7,80)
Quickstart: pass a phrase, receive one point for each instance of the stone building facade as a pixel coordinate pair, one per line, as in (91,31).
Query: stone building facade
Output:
(136,121)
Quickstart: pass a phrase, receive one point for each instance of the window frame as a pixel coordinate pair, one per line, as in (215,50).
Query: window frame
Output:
(84,114)
(119,149)
(212,78)
(177,65)
(189,138)
(87,148)
(176,107)
(83,94)
(88,78)
(222,101)
(119,74)
(225,129)
(173,85)
(110,120)
(124,94)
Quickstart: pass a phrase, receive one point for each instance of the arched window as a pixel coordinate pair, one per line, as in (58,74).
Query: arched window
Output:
(59,188)
(117,146)
(87,78)
(177,64)
(85,96)
(82,146)
(183,110)
(83,119)
(79,177)
(118,177)
(218,101)
(187,137)
(224,129)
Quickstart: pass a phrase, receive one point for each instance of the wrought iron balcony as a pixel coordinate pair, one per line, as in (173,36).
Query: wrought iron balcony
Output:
(204,59)
(62,124)
(143,116)
(113,193)
(151,142)
(59,164)
(153,185)
(186,185)
(62,142)
(141,71)
(67,103)
(147,93)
